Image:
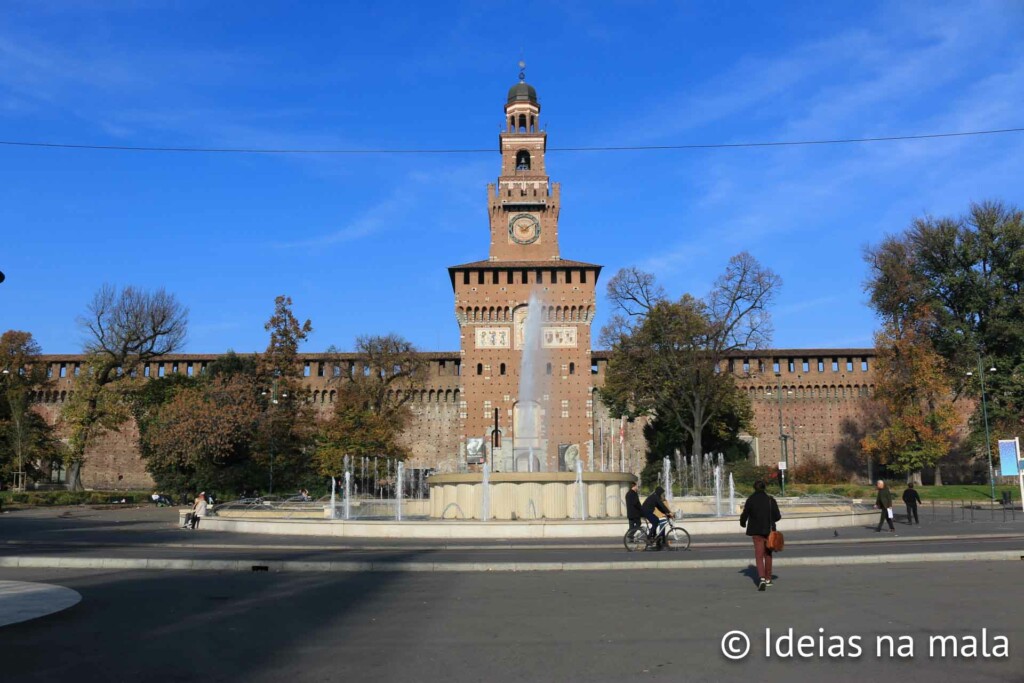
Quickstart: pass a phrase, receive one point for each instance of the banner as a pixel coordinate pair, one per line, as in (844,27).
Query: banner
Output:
(1009,457)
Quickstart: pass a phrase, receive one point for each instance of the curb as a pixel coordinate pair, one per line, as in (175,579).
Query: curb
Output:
(597,545)
(251,565)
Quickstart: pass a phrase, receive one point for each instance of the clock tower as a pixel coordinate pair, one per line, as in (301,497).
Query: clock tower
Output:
(524,314)
(523,205)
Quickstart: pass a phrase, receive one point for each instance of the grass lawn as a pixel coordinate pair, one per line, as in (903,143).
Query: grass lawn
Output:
(951,492)
(23,499)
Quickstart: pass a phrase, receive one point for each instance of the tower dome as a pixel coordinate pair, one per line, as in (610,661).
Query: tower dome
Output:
(522,92)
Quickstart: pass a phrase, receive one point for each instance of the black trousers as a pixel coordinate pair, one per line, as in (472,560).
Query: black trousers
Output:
(912,510)
(653,519)
(885,518)
(634,524)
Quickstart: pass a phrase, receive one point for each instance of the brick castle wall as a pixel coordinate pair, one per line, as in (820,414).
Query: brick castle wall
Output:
(822,389)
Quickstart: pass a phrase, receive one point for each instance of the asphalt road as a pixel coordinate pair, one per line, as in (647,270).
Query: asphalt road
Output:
(581,626)
(154,533)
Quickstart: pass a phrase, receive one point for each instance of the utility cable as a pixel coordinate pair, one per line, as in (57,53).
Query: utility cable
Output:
(625,148)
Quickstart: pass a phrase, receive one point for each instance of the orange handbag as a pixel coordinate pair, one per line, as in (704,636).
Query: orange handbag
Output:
(776,541)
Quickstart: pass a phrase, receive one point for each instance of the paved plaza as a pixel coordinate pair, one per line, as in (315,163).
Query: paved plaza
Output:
(657,616)
(581,626)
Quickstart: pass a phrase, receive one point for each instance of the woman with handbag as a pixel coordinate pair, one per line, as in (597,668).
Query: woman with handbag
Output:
(760,513)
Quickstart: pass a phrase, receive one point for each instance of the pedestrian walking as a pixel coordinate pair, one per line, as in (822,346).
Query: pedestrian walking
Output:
(883,501)
(634,512)
(911,499)
(198,510)
(760,513)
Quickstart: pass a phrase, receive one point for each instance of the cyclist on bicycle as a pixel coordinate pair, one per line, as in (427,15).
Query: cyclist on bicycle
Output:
(653,504)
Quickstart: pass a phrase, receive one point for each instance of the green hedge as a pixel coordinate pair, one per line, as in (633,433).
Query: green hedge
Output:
(47,498)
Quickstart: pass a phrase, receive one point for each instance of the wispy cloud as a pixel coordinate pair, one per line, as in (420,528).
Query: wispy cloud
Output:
(805,305)
(856,83)
(373,220)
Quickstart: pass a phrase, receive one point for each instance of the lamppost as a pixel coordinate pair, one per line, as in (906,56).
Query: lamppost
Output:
(984,412)
(782,433)
(793,426)
(274,401)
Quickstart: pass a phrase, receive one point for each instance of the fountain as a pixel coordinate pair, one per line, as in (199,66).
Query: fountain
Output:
(525,482)
(348,496)
(334,509)
(581,493)
(718,490)
(732,496)
(485,503)
(529,428)
(666,466)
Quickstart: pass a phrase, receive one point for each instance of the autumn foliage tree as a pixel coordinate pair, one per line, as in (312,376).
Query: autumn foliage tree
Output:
(372,409)
(918,420)
(954,286)
(245,424)
(202,436)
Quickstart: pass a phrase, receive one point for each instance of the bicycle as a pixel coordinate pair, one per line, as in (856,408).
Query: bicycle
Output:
(670,537)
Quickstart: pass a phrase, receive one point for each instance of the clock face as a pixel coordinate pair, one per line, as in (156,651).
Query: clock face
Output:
(524,228)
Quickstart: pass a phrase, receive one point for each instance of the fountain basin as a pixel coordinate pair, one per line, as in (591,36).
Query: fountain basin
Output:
(528,495)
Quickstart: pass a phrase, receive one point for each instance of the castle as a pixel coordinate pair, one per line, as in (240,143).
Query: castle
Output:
(524,297)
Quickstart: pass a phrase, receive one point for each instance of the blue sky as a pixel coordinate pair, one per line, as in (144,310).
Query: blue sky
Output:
(361,243)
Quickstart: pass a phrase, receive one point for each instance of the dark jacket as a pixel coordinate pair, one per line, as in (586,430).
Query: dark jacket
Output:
(910,498)
(760,513)
(654,502)
(633,509)
(884,498)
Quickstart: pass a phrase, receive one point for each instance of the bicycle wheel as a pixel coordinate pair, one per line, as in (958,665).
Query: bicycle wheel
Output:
(678,538)
(634,540)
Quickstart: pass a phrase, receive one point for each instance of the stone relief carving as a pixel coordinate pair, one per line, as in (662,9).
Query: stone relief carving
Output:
(559,338)
(492,337)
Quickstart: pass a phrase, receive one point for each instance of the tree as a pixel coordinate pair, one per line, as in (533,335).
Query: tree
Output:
(125,328)
(919,422)
(667,357)
(371,410)
(965,275)
(201,435)
(25,437)
(286,429)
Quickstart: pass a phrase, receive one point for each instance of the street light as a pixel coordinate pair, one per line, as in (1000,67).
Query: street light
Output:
(984,412)
(782,434)
(274,401)
(793,426)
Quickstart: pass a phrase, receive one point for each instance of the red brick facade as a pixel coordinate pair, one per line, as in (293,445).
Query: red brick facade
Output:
(455,408)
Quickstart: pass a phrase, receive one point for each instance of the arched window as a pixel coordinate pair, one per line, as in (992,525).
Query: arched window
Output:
(572,368)
(522,160)
(479,368)
(501,368)
(548,368)
(522,123)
